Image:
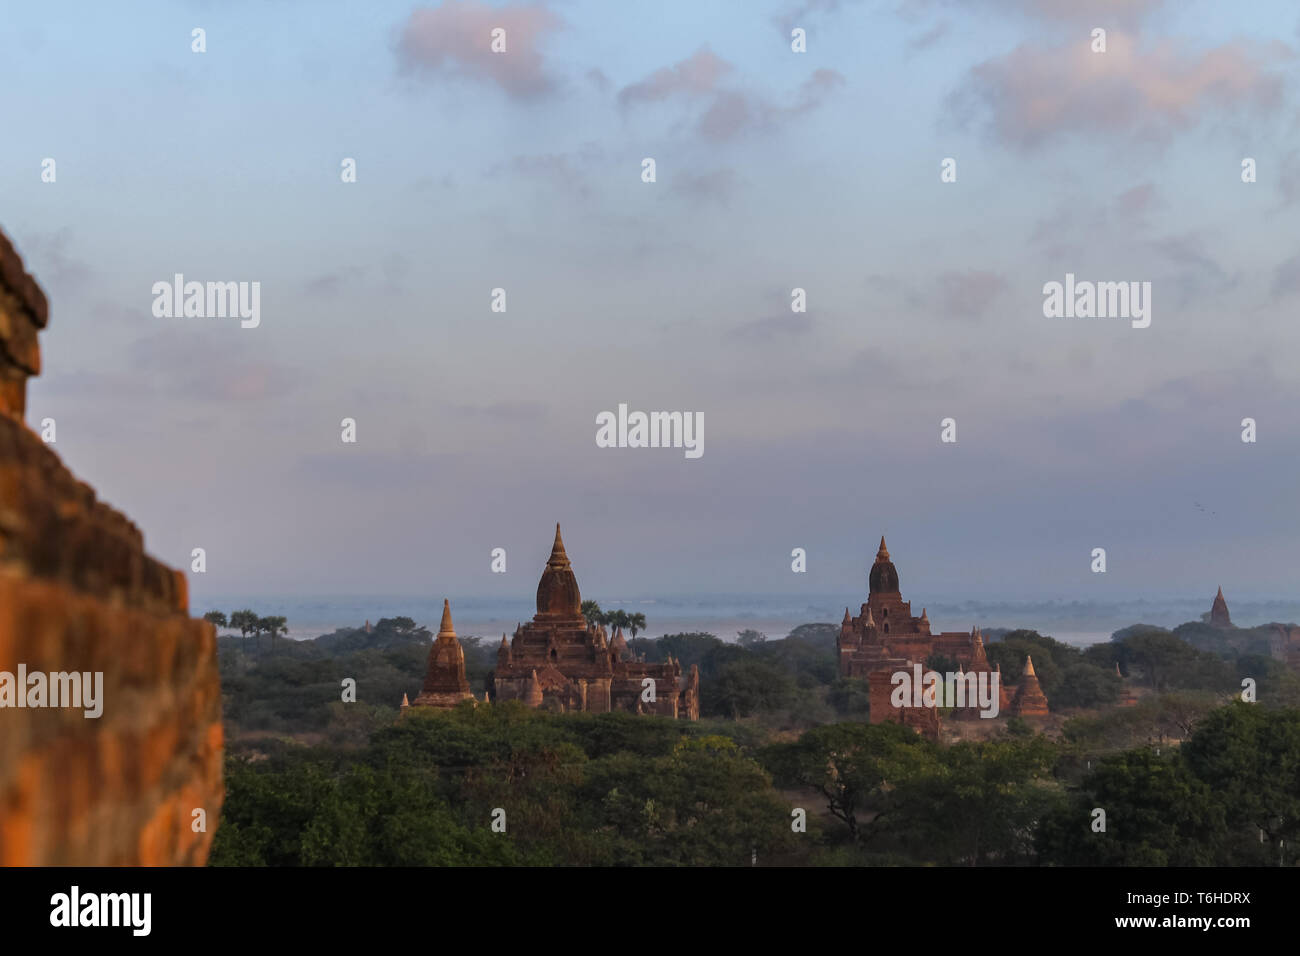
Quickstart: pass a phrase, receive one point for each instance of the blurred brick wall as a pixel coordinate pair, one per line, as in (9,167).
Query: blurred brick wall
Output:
(78,593)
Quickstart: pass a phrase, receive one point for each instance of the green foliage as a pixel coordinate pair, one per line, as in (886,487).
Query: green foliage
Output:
(850,696)
(1165,662)
(981,805)
(577,789)
(1069,677)
(852,767)
(1158,813)
(1251,757)
(738,684)
(1204,804)
(592,612)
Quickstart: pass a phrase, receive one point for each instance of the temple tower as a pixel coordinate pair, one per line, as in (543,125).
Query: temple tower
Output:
(1219,611)
(1029,700)
(444,680)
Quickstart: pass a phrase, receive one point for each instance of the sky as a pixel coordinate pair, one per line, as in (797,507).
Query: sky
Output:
(775,170)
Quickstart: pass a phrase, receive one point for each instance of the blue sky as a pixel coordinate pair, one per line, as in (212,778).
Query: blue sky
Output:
(775,170)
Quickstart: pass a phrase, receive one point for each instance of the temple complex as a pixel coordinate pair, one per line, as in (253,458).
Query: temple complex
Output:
(1219,611)
(445,684)
(557,661)
(885,638)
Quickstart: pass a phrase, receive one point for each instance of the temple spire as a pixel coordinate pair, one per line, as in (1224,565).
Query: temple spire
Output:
(884,551)
(445,629)
(558,554)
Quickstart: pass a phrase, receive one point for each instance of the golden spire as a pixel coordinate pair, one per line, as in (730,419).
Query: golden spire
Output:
(884,551)
(1029,666)
(446,630)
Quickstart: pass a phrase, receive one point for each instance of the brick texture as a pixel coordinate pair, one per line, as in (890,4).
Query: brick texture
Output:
(79,593)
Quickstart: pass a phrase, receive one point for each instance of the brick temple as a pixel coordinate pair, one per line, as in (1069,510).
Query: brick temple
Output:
(557,661)
(885,638)
(445,684)
(1219,616)
(79,593)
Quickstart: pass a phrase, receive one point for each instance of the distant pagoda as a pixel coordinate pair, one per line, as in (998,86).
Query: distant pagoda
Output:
(1219,611)
(444,679)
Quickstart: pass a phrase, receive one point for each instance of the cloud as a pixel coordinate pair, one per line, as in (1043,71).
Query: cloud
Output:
(773,326)
(1288,178)
(331,284)
(1071,226)
(968,294)
(803,12)
(1200,276)
(233,369)
(1036,94)
(716,185)
(1102,12)
(929,37)
(730,112)
(563,172)
(455,40)
(1286,278)
(1095,12)
(697,75)
(952,294)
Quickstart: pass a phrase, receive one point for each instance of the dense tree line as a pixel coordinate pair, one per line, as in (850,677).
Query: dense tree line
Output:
(1182,777)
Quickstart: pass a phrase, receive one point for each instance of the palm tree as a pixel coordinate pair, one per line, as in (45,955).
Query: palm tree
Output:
(635,622)
(592,612)
(275,626)
(245,621)
(217,619)
(617,618)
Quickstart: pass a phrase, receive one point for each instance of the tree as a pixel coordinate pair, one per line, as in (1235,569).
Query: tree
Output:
(245,621)
(1169,663)
(1158,813)
(855,767)
(617,619)
(750,638)
(217,619)
(745,684)
(1251,758)
(982,806)
(275,626)
(636,622)
(592,612)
